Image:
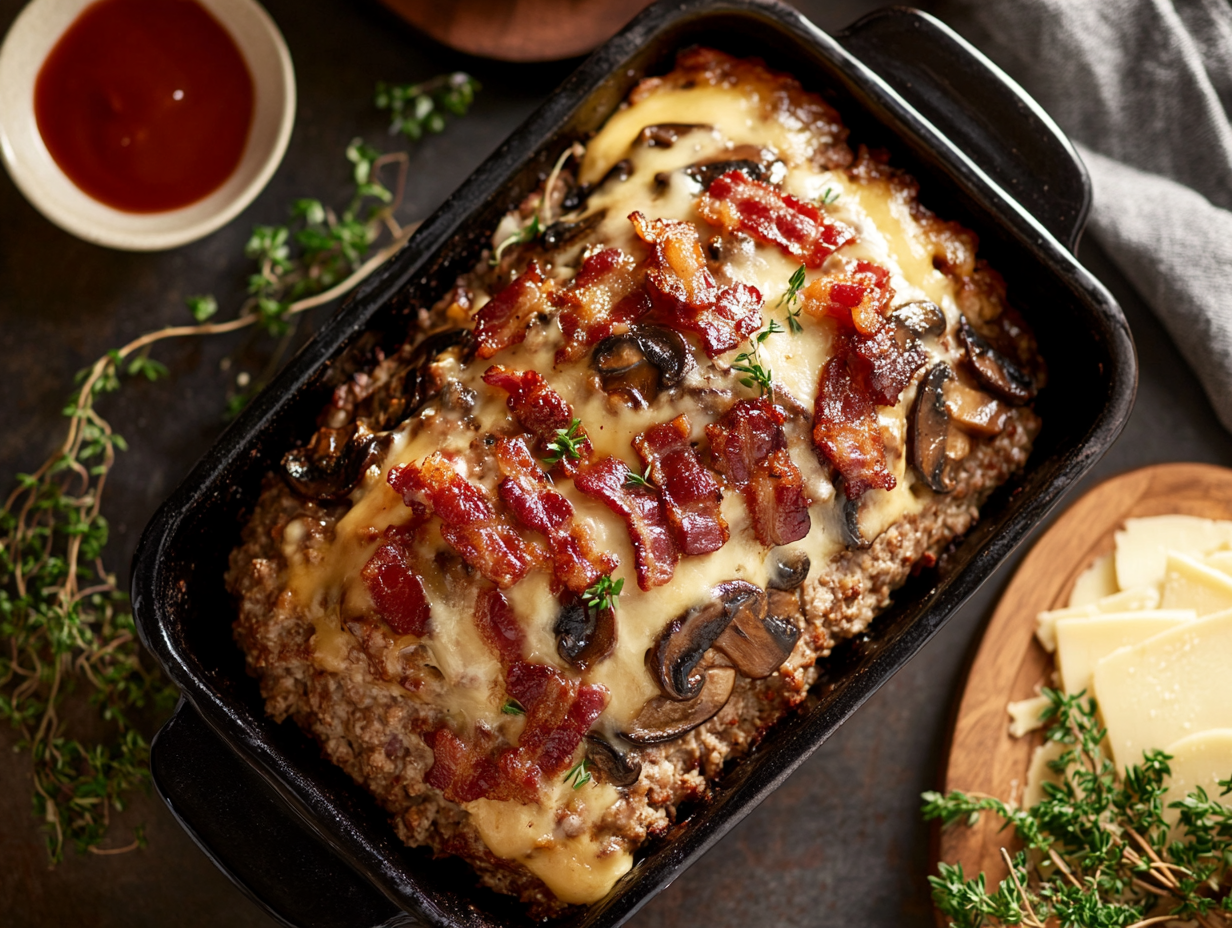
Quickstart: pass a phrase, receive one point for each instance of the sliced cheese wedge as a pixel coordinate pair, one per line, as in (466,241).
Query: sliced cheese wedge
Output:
(1156,692)
(1220,560)
(1190,584)
(1142,546)
(1039,773)
(1202,760)
(1094,583)
(1141,598)
(1025,715)
(1085,641)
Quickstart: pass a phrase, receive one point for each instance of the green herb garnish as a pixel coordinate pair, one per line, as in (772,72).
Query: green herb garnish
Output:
(829,196)
(749,362)
(419,108)
(528,233)
(603,593)
(512,707)
(1098,851)
(567,443)
(66,623)
(579,774)
(634,479)
(791,298)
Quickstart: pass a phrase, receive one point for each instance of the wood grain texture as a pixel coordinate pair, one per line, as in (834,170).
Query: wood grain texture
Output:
(1009,663)
(519,30)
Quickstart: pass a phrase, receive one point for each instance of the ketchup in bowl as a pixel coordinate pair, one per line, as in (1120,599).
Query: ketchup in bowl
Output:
(145,104)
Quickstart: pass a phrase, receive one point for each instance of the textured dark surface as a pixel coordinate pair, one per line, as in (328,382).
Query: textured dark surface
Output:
(840,844)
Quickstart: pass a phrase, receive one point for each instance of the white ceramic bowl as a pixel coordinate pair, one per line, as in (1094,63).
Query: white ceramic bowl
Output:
(36,174)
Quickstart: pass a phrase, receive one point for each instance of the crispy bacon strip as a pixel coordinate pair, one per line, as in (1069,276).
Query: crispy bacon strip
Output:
(559,712)
(609,289)
(503,319)
(536,505)
(396,590)
(859,298)
(845,427)
(654,550)
(750,449)
(685,293)
(499,627)
(690,493)
(539,409)
(736,203)
(470,524)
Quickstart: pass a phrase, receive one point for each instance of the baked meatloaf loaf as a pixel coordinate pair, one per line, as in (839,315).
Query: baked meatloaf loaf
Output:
(716,389)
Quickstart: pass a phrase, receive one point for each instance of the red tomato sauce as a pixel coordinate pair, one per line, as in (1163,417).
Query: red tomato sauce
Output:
(145,104)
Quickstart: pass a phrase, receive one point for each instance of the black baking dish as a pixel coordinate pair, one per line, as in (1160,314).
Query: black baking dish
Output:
(290,828)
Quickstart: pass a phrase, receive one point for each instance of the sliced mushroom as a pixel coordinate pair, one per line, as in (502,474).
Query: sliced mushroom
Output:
(641,362)
(758,644)
(667,134)
(706,173)
(921,318)
(331,465)
(562,233)
(420,384)
(930,430)
(973,410)
(994,370)
(789,570)
(853,535)
(664,719)
(620,172)
(584,636)
(685,641)
(616,767)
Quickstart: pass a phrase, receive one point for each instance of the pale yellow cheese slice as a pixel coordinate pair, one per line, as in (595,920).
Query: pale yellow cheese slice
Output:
(1142,546)
(1025,715)
(1094,583)
(1220,560)
(1190,584)
(1143,597)
(1039,773)
(1202,760)
(1084,642)
(1176,684)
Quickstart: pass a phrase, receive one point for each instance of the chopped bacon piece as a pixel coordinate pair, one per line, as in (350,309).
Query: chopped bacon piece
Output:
(503,319)
(654,550)
(536,505)
(498,627)
(685,292)
(559,712)
(470,523)
(750,449)
(737,203)
(539,409)
(607,290)
(845,427)
(690,492)
(859,298)
(396,590)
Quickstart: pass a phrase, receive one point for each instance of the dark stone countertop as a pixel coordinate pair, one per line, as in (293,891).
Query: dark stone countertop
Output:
(841,843)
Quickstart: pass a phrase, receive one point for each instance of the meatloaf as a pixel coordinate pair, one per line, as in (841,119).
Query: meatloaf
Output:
(717,387)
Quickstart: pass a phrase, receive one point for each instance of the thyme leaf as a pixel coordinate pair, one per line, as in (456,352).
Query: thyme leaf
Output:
(791,300)
(528,233)
(603,594)
(749,362)
(567,443)
(634,479)
(419,108)
(512,707)
(579,773)
(829,196)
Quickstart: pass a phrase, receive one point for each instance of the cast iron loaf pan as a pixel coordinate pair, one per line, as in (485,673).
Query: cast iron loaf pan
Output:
(290,828)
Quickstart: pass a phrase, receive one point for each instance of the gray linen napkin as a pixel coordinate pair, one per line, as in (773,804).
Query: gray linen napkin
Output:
(1144,87)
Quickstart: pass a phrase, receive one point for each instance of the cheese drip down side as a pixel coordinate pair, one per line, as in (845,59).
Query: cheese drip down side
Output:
(569,860)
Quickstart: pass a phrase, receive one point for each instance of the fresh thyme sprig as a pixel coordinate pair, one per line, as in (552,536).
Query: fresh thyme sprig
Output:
(67,625)
(791,300)
(603,594)
(567,443)
(634,479)
(1098,850)
(829,196)
(418,108)
(749,362)
(579,773)
(528,233)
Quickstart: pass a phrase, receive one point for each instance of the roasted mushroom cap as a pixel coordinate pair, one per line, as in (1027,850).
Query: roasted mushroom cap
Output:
(921,318)
(615,767)
(331,465)
(561,233)
(930,429)
(994,370)
(620,172)
(584,636)
(758,645)
(853,535)
(789,570)
(641,362)
(664,719)
(420,383)
(684,642)
(667,134)
(973,410)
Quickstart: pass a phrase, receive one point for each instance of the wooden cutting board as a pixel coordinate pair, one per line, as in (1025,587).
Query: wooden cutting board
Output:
(983,758)
(519,30)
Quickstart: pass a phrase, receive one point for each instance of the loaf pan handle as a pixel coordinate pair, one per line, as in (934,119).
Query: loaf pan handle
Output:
(250,834)
(981,110)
